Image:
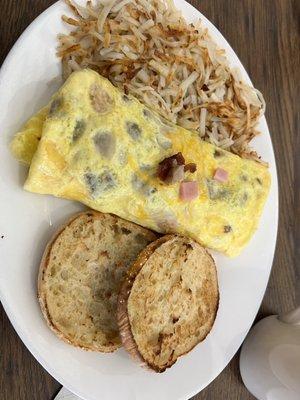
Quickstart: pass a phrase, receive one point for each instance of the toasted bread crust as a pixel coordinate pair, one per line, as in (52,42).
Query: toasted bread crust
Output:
(111,345)
(127,336)
(122,314)
(41,291)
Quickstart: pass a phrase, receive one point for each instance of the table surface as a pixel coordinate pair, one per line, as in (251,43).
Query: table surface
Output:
(265,35)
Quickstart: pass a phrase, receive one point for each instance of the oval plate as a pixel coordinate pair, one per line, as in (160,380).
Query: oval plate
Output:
(30,74)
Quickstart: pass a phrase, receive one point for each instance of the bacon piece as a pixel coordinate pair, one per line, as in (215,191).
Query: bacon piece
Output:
(169,170)
(191,167)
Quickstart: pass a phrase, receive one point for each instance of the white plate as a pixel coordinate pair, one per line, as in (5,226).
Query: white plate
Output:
(27,79)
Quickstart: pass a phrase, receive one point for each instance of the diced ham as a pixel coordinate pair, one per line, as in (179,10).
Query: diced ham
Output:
(221,175)
(189,191)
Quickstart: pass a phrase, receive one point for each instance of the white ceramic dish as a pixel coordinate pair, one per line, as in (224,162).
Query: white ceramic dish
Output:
(28,77)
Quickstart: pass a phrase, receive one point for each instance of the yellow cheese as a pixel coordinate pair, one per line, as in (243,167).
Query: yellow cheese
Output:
(102,148)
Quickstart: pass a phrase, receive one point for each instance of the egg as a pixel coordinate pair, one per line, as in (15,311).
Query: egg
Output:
(25,142)
(102,148)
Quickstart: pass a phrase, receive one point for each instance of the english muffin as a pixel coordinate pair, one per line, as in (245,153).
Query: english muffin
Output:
(80,277)
(168,301)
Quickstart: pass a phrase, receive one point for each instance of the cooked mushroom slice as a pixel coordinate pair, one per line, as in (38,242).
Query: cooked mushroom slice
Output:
(79,129)
(105,143)
(55,106)
(133,130)
(101,101)
(99,184)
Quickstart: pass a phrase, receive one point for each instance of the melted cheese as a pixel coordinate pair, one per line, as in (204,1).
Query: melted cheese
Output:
(102,148)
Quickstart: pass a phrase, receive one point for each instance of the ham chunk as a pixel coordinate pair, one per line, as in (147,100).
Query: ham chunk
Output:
(221,175)
(189,191)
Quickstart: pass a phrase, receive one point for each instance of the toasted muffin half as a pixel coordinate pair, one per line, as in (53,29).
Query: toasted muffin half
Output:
(80,276)
(168,301)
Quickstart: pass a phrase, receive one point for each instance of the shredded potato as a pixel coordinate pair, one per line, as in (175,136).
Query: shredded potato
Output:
(146,47)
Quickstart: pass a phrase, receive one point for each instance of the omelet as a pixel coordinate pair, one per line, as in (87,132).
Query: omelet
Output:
(25,142)
(103,148)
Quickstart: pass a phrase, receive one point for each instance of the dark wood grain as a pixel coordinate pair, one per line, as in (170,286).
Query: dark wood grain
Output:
(265,35)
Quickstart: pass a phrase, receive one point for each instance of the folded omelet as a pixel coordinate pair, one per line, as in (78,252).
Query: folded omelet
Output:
(25,142)
(102,148)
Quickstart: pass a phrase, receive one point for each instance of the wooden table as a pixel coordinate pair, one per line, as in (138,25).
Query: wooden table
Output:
(264,35)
